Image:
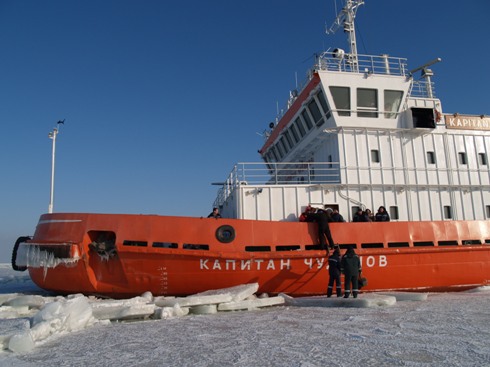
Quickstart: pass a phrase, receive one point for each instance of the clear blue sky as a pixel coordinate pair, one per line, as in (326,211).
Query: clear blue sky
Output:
(162,98)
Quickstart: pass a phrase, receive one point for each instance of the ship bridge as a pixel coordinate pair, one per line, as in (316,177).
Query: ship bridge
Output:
(362,139)
(383,96)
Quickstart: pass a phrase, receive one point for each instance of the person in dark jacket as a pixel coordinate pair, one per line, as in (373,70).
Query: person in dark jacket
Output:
(214,214)
(382,215)
(360,216)
(334,273)
(336,216)
(351,267)
(321,218)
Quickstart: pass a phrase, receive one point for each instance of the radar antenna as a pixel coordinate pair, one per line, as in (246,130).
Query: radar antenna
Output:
(427,74)
(346,18)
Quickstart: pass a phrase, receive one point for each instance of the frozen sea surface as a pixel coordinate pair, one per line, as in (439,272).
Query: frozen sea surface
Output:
(450,329)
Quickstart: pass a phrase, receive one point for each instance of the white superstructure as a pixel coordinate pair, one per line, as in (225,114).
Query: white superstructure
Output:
(364,133)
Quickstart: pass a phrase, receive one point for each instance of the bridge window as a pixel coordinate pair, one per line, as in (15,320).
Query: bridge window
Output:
(274,154)
(375,156)
(324,104)
(300,127)
(280,150)
(294,133)
(367,102)
(284,145)
(393,99)
(306,117)
(269,157)
(315,112)
(341,99)
(288,138)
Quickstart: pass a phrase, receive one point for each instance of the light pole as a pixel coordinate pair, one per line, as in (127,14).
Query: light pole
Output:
(52,136)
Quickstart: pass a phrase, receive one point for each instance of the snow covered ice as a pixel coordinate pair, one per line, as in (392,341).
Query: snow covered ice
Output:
(450,329)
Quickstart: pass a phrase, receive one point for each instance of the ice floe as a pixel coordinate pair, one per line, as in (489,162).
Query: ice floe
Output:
(28,321)
(58,315)
(366,300)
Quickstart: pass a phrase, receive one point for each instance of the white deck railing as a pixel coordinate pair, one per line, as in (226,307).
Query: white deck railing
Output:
(332,173)
(278,174)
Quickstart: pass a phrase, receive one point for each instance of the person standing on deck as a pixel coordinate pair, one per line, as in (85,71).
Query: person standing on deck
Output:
(360,216)
(351,267)
(321,218)
(382,215)
(369,215)
(214,214)
(334,273)
(336,216)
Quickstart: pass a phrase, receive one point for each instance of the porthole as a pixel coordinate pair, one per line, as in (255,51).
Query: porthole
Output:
(225,234)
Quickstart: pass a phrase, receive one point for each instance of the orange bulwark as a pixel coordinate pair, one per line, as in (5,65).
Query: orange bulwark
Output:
(182,255)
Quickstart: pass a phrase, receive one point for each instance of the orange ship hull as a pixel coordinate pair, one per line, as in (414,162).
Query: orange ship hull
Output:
(120,255)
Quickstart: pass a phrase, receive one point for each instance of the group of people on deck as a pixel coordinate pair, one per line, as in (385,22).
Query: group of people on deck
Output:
(333,215)
(324,216)
(349,264)
(368,216)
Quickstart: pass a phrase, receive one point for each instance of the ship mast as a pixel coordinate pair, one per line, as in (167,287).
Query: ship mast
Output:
(346,18)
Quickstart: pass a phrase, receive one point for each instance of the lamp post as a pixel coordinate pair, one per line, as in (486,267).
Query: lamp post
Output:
(52,136)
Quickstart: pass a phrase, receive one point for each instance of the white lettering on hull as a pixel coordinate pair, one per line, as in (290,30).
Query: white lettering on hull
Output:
(372,261)
(280,264)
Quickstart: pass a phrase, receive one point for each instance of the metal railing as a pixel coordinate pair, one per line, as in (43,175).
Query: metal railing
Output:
(371,64)
(420,89)
(289,173)
(329,173)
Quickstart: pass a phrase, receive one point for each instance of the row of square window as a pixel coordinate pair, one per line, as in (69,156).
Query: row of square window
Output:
(431,158)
